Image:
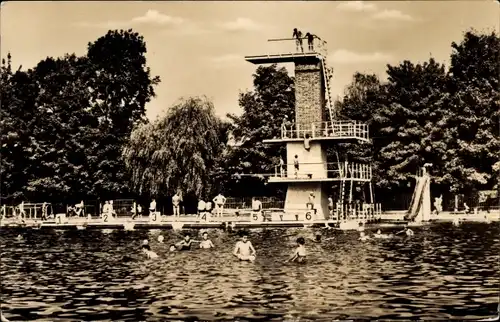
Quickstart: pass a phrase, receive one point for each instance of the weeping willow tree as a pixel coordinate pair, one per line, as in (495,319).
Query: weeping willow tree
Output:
(178,152)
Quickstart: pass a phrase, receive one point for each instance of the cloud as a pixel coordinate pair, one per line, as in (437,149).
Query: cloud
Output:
(357,6)
(377,14)
(343,56)
(155,17)
(241,24)
(392,15)
(151,17)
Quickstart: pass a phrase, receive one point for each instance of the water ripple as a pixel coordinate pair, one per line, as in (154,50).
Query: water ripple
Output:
(442,272)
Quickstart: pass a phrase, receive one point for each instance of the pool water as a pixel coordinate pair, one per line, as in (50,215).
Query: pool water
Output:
(443,272)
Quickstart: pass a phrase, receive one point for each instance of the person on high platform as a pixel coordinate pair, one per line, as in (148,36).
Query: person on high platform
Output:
(296,166)
(310,41)
(282,167)
(297,34)
(284,126)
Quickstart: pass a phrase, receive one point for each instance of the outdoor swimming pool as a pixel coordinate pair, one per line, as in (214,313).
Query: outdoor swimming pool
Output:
(442,272)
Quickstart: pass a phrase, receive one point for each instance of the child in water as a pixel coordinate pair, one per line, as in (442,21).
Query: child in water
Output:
(363,237)
(300,252)
(186,243)
(206,243)
(244,249)
(146,249)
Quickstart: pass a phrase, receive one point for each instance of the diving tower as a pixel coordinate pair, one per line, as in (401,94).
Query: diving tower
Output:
(317,126)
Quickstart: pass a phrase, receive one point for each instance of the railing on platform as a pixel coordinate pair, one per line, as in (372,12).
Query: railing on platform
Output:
(327,170)
(336,129)
(292,46)
(358,211)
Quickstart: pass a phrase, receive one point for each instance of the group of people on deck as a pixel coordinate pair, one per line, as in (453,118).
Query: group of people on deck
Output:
(297,34)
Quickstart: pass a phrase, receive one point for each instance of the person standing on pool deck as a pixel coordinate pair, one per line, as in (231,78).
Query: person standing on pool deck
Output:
(219,202)
(244,250)
(112,212)
(201,208)
(256,207)
(44,210)
(152,207)
(22,213)
(79,208)
(208,208)
(134,210)
(176,200)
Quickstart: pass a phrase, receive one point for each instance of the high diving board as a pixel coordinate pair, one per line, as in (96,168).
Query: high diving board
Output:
(283,58)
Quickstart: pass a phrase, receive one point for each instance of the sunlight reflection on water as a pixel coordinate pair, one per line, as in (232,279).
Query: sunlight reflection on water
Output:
(442,272)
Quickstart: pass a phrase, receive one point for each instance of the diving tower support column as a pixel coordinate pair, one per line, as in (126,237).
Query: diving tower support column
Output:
(309,110)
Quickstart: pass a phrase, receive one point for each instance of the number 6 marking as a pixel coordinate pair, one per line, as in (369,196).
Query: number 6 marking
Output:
(308,215)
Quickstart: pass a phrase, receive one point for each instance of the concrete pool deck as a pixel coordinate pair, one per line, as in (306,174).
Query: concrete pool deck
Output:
(388,219)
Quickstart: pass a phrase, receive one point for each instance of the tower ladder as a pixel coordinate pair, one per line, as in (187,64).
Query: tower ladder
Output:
(328,95)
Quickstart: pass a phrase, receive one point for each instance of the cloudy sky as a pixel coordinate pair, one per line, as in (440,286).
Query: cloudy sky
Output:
(197,48)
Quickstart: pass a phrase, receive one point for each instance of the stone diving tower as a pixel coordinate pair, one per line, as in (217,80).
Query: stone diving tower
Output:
(317,125)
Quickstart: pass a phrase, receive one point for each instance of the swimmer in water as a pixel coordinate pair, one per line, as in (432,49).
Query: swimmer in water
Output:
(160,239)
(406,230)
(186,243)
(19,237)
(244,249)
(173,248)
(300,252)
(380,235)
(206,243)
(363,237)
(318,237)
(146,249)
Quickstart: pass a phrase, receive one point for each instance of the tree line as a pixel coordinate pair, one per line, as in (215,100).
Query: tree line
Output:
(74,127)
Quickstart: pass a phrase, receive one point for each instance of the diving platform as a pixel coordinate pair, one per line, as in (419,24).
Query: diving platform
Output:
(284,58)
(342,130)
(322,172)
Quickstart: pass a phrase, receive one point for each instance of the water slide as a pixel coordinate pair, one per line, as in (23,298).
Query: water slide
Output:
(416,200)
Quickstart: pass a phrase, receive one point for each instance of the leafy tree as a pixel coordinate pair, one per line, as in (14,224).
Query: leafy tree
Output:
(177,152)
(65,121)
(264,108)
(16,114)
(121,84)
(474,115)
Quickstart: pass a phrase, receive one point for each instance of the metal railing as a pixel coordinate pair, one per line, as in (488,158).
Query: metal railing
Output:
(333,170)
(318,46)
(336,129)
